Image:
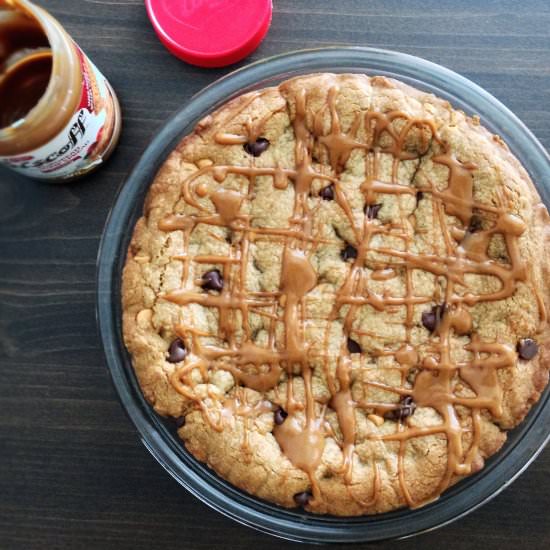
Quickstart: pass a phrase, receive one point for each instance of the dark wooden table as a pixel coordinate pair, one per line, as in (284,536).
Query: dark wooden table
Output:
(73,473)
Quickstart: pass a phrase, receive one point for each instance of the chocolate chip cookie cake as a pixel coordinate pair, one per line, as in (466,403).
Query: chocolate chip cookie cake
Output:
(338,291)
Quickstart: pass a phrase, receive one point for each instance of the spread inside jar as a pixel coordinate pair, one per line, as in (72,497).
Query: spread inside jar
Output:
(25,65)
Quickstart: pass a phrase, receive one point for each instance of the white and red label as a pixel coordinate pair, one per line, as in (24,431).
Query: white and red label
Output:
(79,146)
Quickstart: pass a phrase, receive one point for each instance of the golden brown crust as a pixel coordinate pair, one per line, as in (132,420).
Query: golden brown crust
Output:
(230,426)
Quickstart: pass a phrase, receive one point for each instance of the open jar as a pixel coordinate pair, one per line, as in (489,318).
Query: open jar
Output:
(59,117)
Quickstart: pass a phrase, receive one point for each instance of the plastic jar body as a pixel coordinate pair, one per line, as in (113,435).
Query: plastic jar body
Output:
(75,124)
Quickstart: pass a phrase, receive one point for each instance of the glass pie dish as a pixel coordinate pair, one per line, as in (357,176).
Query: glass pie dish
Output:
(159,435)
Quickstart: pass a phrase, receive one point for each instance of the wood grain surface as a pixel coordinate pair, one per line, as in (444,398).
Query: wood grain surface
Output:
(73,473)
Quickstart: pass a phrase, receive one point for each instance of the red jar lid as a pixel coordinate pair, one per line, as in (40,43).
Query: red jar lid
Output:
(210,33)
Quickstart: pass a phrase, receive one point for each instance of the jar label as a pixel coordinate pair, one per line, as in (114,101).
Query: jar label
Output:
(80,146)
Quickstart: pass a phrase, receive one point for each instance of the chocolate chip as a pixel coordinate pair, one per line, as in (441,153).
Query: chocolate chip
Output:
(406,409)
(176,351)
(353,346)
(180,421)
(432,318)
(212,280)
(429,320)
(301,499)
(256,148)
(475,224)
(349,253)
(280,415)
(408,406)
(371,210)
(527,348)
(327,193)
(419,196)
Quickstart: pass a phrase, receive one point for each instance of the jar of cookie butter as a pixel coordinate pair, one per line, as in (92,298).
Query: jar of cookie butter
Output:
(59,117)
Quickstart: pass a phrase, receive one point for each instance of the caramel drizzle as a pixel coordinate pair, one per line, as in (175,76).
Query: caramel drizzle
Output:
(302,435)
